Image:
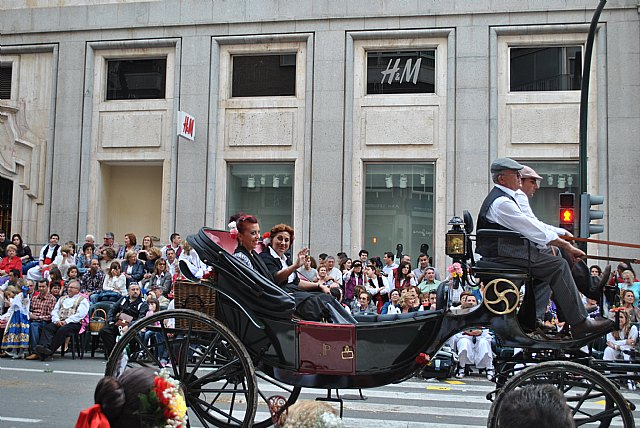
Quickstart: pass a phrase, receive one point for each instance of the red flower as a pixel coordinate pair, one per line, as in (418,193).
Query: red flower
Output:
(422,359)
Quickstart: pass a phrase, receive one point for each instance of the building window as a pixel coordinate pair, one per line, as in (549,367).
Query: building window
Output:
(398,207)
(264,75)
(262,189)
(401,72)
(136,78)
(557,177)
(546,68)
(5,81)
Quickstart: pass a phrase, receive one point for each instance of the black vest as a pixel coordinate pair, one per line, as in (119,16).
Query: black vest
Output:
(491,247)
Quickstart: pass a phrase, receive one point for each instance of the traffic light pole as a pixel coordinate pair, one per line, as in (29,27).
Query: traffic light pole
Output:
(584,100)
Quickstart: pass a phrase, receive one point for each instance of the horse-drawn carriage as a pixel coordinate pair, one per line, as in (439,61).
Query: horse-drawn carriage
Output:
(248,345)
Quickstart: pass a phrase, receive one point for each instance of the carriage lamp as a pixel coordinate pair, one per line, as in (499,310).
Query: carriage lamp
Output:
(456,239)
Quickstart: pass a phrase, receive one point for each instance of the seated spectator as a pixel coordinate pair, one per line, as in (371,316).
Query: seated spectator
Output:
(393,305)
(148,335)
(156,293)
(429,281)
(152,256)
(15,340)
(351,279)
(619,341)
(630,283)
(433,299)
(175,245)
(333,271)
(364,305)
(113,287)
(8,263)
(401,276)
(629,304)
(42,306)
(595,270)
(409,301)
(55,275)
(160,277)
(12,279)
(67,260)
(73,273)
(3,242)
(420,272)
(535,406)
(49,254)
(172,262)
(92,279)
(324,278)
(130,244)
(125,312)
(377,286)
(132,268)
(83,260)
(109,242)
(307,272)
(474,347)
(88,239)
(191,258)
(66,319)
(424,301)
(336,292)
(24,252)
(147,244)
(55,289)
(346,265)
(107,256)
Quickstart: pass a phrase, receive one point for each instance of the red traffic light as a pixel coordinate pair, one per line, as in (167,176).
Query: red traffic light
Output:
(566,215)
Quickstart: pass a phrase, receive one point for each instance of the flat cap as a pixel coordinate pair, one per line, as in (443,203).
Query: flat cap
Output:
(528,172)
(501,164)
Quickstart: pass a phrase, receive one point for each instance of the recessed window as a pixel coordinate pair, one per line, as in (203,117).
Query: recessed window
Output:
(262,189)
(131,79)
(398,207)
(556,68)
(264,75)
(5,81)
(401,72)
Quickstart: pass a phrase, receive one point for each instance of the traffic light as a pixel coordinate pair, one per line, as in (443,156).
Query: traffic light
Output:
(567,211)
(587,214)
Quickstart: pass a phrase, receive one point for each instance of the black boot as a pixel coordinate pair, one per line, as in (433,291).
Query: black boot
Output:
(590,286)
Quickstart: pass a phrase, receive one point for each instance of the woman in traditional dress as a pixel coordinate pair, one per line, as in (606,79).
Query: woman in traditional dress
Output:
(15,341)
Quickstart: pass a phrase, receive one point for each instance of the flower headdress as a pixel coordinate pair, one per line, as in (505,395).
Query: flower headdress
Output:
(233,229)
(266,238)
(455,270)
(164,405)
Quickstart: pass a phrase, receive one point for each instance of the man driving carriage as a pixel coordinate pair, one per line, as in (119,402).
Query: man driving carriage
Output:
(501,211)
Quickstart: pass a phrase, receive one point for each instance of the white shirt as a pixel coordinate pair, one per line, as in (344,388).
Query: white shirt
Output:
(83,309)
(507,213)
(523,201)
(389,268)
(283,262)
(336,274)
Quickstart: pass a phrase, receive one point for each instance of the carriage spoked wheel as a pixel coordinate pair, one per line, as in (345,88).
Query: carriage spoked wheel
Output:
(214,368)
(594,400)
(268,388)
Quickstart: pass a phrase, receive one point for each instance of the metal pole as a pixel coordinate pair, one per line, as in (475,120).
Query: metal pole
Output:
(584,102)
(584,96)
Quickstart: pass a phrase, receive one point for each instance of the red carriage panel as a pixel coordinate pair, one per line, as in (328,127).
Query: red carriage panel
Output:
(326,348)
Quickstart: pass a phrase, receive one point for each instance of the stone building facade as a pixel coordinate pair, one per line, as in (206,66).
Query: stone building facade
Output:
(362,123)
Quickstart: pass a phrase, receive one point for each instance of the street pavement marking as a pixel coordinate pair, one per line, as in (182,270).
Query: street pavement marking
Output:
(49,371)
(438,388)
(454,382)
(603,402)
(25,420)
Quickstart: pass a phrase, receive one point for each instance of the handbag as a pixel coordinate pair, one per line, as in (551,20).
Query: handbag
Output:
(124,319)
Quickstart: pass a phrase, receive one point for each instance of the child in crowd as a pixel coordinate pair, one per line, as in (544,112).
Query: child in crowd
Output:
(15,341)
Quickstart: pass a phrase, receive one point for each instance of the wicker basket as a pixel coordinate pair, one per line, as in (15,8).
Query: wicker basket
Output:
(201,298)
(97,322)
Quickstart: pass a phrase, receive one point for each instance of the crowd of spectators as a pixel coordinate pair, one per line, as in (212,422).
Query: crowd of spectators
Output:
(57,291)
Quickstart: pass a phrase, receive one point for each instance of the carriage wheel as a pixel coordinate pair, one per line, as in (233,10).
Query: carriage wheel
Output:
(212,365)
(269,387)
(594,400)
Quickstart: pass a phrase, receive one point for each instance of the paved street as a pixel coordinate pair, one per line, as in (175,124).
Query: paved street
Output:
(52,394)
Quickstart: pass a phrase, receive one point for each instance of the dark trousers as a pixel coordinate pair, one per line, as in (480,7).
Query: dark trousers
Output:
(108,334)
(52,336)
(35,327)
(549,269)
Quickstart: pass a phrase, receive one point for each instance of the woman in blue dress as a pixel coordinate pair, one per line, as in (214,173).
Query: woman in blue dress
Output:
(15,341)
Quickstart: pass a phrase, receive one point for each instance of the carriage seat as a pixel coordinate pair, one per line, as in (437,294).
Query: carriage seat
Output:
(394,317)
(488,270)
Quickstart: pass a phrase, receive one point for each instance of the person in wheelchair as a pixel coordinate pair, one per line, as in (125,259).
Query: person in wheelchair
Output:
(501,212)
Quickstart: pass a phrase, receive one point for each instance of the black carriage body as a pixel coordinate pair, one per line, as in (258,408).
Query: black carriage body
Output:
(321,355)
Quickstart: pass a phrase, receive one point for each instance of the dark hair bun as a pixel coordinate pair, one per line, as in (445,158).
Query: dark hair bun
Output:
(110,396)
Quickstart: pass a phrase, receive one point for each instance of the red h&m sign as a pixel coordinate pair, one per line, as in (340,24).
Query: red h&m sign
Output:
(186,125)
